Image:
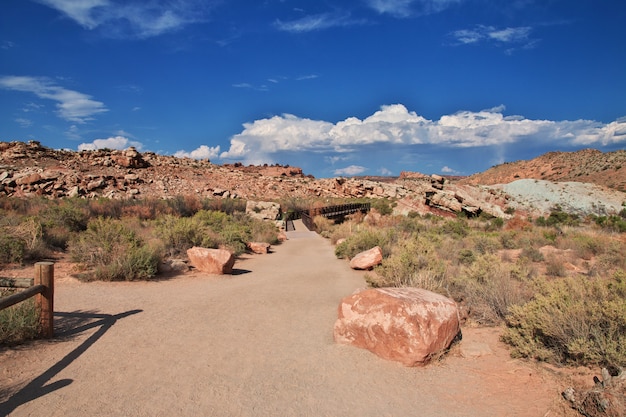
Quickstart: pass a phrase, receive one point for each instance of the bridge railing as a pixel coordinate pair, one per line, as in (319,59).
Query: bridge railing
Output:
(307,216)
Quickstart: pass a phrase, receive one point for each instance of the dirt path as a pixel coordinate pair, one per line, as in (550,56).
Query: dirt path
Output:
(258,343)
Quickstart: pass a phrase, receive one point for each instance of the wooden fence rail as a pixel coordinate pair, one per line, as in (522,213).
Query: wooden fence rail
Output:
(42,290)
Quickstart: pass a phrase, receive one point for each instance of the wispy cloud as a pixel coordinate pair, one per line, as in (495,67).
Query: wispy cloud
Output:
(396,125)
(114,142)
(71,105)
(7,45)
(510,37)
(24,122)
(410,8)
(140,19)
(307,77)
(317,22)
(261,87)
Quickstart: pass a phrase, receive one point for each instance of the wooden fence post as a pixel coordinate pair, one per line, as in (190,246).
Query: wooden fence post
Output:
(44,275)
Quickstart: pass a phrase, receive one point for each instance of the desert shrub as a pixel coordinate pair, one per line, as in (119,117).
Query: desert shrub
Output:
(575,320)
(492,223)
(12,250)
(532,254)
(485,243)
(466,257)
(555,266)
(235,236)
(113,252)
(508,239)
(212,229)
(382,205)
(184,205)
(59,222)
(558,217)
(18,323)
(262,231)
(106,207)
(413,263)
(612,223)
(362,241)
(489,289)
(340,231)
(585,245)
(613,258)
(181,233)
(226,205)
(458,228)
(323,225)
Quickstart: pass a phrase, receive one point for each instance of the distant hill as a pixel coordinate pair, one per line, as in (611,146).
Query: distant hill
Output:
(588,165)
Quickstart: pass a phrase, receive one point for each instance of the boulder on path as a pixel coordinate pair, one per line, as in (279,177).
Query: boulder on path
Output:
(211,261)
(407,325)
(367,259)
(259,247)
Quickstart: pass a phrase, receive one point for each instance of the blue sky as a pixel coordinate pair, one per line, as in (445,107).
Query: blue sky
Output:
(355,87)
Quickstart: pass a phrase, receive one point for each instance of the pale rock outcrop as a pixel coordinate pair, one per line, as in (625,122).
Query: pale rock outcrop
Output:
(211,261)
(367,259)
(263,210)
(407,325)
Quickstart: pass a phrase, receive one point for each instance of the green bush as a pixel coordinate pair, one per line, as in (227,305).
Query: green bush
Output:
(18,323)
(181,233)
(12,250)
(213,229)
(489,289)
(575,320)
(362,241)
(458,228)
(413,263)
(113,252)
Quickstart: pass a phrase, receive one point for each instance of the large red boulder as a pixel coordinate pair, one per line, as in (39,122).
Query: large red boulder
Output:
(368,259)
(211,261)
(407,325)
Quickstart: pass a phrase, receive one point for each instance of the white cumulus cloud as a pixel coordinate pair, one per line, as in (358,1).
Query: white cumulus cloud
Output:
(71,105)
(203,152)
(396,125)
(350,171)
(114,142)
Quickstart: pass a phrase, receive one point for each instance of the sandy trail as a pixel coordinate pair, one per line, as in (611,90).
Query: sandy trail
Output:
(258,343)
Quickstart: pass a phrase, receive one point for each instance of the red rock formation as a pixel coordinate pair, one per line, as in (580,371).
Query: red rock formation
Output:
(407,325)
(211,261)
(367,259)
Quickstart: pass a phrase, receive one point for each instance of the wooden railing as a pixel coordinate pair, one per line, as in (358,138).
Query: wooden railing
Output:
(42,290)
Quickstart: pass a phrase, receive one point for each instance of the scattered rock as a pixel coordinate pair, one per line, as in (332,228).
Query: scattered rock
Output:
(606,399)
(211,261)
(367,259)
(407,325)
(259,247)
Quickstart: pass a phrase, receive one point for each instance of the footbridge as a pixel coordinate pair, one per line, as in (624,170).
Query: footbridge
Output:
(330,212)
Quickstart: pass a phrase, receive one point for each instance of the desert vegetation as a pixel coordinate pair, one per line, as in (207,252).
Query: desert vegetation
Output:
(557,284)
(115,239)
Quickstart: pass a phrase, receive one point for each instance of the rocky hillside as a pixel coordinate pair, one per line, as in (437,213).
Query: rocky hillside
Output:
(30,169)
(589,165)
